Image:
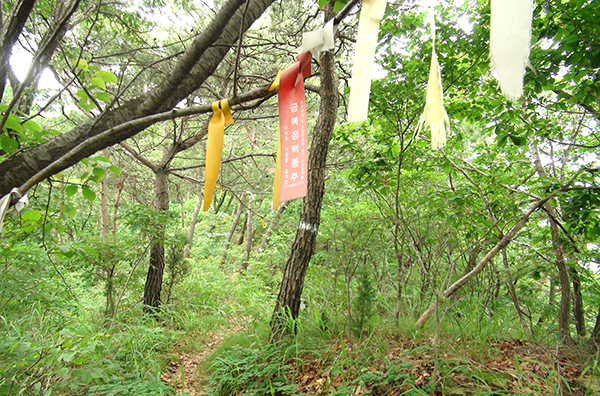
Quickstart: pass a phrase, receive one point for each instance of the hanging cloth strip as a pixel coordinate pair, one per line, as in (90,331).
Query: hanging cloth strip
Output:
(292,164)
(434,114)
(366,41)
(318,40)
(214,147)
(5,203)
(277,179)
(510,39)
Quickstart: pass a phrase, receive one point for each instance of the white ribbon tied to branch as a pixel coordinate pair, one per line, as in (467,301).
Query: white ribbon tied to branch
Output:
(366,41)
(318,40)
(510,40)
(5,203)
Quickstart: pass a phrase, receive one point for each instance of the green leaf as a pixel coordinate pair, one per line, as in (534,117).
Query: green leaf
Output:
(323,3)
(82,64)
(518,140)
(71,190)
(101,161)
(115,170)
(103,96)
(337,7)
(98,174)
(88,193)
(13,122)
(32,126)
(8,144)
(107,76)
(98,82)
(31,214)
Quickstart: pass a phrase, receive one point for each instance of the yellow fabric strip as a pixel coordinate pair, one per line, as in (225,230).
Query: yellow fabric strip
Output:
(366,41)
(275,84)
(214,147)
(277,181)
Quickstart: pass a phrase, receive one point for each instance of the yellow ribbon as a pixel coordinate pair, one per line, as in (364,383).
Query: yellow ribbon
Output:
(277,181)
(275,84)
(214,147)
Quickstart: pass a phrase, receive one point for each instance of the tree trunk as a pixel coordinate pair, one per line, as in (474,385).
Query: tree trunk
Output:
(234,224)
(513,294)
(115,223)
(564,314)
(104,226)
(203,56)
(577,303)
(197,209)
(110,301)
(243,231)
(595,336)
(272,226)
(12,30)
(249,234)
(288,300)
(154,279)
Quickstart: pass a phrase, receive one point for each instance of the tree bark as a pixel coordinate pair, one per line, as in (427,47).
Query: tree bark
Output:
(564,331)
(249,234)
(19,168)
(197,209)
(288,300)
(12,30)
(104,226)
(577,303)
(234,224)
(595,336)
(153,286)
(272,226)
(513,294)
(115,223)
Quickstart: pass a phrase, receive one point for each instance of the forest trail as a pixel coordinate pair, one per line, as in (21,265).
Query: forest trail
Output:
(186,374)
(512,366)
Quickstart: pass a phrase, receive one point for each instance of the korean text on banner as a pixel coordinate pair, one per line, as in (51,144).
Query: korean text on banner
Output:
(293,129)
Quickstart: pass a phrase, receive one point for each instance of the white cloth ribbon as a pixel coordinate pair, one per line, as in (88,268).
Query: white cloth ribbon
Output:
(510,39)
(5,203)
(318,40)
(366,41)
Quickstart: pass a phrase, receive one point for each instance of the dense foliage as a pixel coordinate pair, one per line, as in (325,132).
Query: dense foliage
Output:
(403,231)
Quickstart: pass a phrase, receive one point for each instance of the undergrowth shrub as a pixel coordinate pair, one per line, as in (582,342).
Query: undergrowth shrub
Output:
(40,357)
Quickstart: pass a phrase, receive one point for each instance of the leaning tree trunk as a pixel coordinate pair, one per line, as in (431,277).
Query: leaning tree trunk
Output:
(288,300)
(236,220)
(272,227)
(486,259)
(192,229)
(154,279)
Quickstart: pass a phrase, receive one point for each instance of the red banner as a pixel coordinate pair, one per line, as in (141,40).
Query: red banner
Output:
(293,129)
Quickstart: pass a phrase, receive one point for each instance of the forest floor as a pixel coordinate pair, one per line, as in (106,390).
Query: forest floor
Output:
(508,367)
